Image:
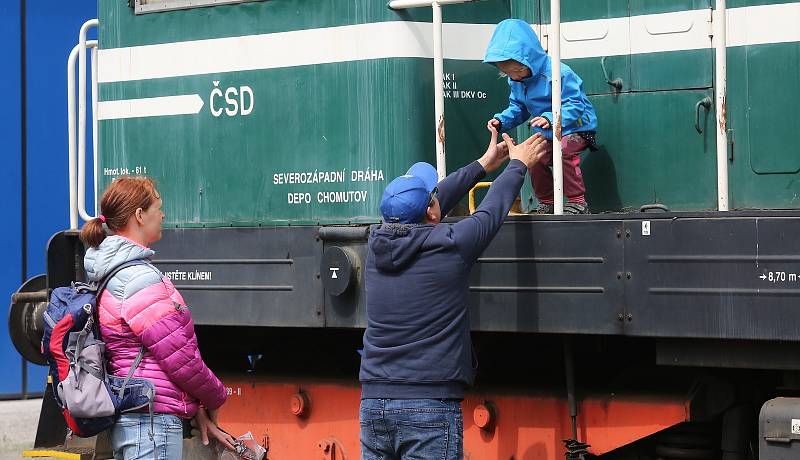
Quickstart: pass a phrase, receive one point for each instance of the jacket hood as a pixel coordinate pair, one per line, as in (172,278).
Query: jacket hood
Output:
(396,245)
(514,39)
(112,252)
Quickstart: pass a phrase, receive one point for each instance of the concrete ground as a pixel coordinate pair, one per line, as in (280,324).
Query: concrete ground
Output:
(18,421)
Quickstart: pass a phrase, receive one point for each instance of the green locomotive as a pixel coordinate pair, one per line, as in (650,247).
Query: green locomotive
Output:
(272,127)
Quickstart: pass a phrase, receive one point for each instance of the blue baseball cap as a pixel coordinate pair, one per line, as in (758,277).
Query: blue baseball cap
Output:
(407,197)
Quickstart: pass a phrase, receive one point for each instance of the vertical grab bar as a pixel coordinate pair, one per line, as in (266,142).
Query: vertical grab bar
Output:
(438,89)
(82,118)
(555,57)
(73,179)
(721,89)
(71,135)
(95,133)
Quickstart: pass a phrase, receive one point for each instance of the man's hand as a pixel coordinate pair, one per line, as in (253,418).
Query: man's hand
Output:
(541,122)
(528,152)
(208,428)
(493,123)
(496,154)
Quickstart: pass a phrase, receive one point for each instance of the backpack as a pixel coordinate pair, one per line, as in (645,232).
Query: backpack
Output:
(90,399)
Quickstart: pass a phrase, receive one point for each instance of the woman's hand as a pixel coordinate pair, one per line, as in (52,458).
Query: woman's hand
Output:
(213,415)
(208,428)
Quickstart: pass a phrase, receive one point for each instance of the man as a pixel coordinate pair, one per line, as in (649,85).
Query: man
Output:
(417,358)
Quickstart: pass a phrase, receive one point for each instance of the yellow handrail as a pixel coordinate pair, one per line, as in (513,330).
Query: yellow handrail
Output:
(472,205)
(516,208)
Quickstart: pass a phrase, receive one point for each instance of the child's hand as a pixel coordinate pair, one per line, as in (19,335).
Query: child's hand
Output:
(496,153)
(540,122)
(493,123)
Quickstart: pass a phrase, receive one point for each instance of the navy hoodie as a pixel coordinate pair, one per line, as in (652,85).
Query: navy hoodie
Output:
(417,342)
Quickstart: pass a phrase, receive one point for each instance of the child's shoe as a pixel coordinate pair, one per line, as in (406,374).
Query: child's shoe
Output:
(576,208)
(544,208)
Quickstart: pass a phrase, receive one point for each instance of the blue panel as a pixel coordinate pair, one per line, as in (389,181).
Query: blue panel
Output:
(10,188)
(52,31)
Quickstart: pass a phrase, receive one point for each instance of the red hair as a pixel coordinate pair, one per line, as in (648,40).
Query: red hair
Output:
(119,202)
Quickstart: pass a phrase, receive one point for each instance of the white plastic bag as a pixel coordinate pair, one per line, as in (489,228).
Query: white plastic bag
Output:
(246,449)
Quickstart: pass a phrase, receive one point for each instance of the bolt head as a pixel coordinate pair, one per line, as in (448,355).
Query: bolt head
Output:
(298,404)
(484,416)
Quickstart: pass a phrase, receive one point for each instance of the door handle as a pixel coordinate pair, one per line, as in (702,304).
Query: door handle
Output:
(615,83)
(706,103)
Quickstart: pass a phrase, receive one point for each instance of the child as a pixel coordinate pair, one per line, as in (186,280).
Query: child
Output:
(516,51)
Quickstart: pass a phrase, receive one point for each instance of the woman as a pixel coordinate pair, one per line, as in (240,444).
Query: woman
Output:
(141,308)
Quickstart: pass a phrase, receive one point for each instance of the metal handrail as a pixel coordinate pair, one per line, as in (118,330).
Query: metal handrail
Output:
(95,125)
(555,123)
(472,205)
(73,179)
(706,103)
(76,174)
(721,94)
(615,83)
(516,207)
(82,117)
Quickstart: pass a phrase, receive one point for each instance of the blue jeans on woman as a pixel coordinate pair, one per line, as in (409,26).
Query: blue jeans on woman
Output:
(130,437)
(411,429)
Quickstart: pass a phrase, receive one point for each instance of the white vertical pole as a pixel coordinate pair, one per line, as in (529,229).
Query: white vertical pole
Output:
(95,133)
(438,79)
(555,58)
(721,90)
(82,118)
(73,179)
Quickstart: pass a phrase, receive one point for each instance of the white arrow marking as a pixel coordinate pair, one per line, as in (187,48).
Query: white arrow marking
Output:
(188,104)
(763,277)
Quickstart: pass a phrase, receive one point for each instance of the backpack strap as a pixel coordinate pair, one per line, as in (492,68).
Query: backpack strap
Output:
(104,282)
(131,371)
(101,286)
(75,362)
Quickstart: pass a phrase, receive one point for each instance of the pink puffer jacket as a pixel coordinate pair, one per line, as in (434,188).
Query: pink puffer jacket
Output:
(140,306)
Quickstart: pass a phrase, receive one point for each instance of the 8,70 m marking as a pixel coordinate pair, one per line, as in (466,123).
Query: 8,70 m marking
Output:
(778,277)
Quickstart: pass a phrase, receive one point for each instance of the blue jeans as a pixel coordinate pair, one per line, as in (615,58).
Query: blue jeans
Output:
(130,437)
(411,429)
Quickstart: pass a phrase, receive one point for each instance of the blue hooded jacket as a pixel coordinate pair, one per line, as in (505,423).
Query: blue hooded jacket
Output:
(532,97)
